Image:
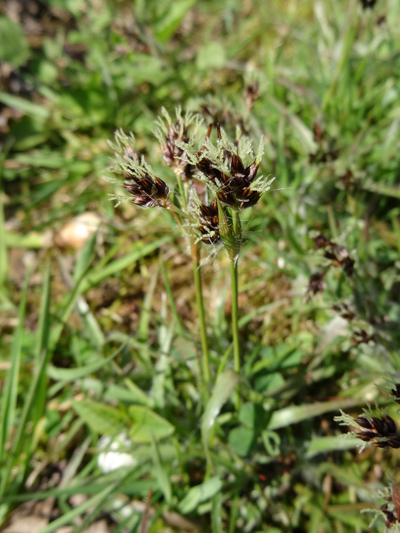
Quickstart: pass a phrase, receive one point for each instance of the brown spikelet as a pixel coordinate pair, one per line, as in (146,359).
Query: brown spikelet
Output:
(380,432)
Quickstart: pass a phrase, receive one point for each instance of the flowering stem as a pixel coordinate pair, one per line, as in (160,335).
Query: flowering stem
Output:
(235,313)
(200,309)
(194,248)
(235,293)
(181,190)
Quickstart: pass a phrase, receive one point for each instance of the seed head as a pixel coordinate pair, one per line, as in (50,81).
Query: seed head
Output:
(147,189)
(316,283)
(380,432)
(209,222)
(344,311)
(396,393)
(172,135)
(360,336)
(338,255)
(227,173)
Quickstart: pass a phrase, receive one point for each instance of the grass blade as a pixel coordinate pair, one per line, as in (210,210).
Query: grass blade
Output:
(9,398)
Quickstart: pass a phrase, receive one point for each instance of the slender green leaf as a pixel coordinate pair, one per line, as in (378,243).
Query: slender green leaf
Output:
(224,387)
(72,374)
(97,275)
(9,397)
(171,299)
(69,518)
(160,471)
(146,309)
(297,413)
(329,444)
(37,111)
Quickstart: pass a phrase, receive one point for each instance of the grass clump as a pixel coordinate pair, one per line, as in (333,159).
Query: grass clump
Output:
(146,386)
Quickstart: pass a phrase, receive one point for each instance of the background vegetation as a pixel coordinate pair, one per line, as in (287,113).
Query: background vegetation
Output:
(102,339)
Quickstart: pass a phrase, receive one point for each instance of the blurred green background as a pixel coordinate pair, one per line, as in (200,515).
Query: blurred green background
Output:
(89,345)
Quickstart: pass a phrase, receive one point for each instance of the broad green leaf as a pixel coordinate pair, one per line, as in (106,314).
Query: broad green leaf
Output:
(129,394)
(199,494)
(99,417)
(145,423)
(252,415)
(13,45)
(242,440)
(265,382)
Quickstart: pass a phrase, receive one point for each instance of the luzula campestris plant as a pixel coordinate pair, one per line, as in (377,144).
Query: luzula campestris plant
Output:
(216,180)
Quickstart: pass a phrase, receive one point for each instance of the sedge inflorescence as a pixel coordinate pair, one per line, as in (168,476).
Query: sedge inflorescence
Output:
(213,177)
(379,430)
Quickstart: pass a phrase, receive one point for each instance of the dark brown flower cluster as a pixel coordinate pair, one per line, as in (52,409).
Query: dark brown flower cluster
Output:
(396,393)
(344,311)
(147,191)
(338,255)
(251,93)
(380,432)
(392,515)
(234,185)
(174,156)
(316,283)
(362,337)
(209,222)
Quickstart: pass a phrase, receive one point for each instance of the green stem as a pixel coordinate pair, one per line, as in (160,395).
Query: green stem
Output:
(182,191)
(235,292)
(235,314)
(194,248)
(200,309)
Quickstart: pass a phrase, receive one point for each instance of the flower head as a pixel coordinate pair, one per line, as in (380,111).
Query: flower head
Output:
(139,179)
(171,136)
(230,175)
(209,222)
(380,432)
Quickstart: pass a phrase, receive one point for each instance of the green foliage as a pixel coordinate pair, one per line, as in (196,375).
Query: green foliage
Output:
(104,340)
